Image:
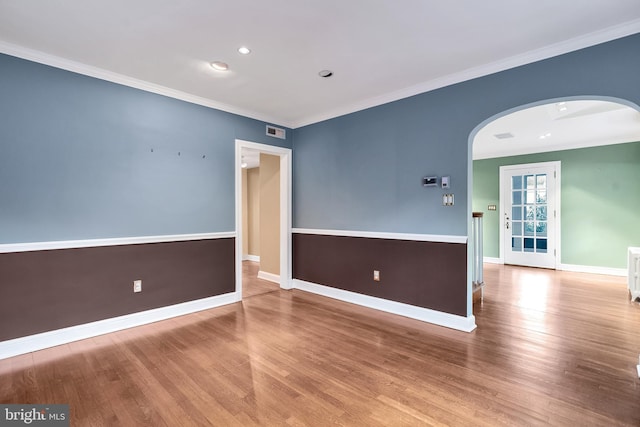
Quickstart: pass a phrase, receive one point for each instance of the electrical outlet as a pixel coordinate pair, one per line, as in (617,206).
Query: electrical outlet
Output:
(137,286)
(376,275)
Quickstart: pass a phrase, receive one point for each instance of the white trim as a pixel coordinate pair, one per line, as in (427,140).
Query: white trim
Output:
(119,241)
(110,76)
(253,258)
(566,46)
(36,342)
(522,150)
(633,272)
(610,271)
(269,276)
(465,324)
(438,238)
(285,155)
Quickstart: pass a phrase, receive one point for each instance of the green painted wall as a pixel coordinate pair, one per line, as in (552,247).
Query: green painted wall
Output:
(600,202)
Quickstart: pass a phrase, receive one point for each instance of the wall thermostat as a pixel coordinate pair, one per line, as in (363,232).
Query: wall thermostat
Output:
(445,182)
(430,181)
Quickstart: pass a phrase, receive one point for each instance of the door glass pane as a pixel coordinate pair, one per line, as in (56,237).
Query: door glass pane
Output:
(541,245)
(530,197)
(517,229)
(530,181)
(528,244)
(516,244)
(542,196)
(541,213)
(516,213)
(517,198)
(529,212)
(516,182)
(541,229)
(529,228)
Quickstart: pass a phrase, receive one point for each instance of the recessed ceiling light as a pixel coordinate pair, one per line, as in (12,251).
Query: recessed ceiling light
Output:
(325,73)
(562,106)
(219,66)
(243,165)
(244,50)
(545,135)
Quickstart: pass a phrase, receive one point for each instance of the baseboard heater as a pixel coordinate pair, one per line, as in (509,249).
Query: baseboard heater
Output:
(633,278)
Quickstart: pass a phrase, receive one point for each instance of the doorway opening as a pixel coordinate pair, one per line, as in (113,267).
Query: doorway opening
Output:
(274,189)
(596,139)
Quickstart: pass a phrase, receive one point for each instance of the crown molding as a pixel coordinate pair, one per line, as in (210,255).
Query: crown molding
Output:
(576,43)
(560,146)
(102,74)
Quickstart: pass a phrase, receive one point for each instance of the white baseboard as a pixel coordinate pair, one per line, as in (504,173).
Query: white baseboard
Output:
(254,258)
(465,324)
(36,342)
(593,270)
(492,260)
(269,276)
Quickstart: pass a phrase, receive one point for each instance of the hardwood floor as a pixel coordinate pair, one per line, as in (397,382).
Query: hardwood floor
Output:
(551,348)
(251,285)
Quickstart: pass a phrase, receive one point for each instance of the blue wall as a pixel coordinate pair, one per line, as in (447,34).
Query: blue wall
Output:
(76,159)
(362,171)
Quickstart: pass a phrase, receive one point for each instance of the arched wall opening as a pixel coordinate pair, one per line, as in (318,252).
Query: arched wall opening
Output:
(608,189)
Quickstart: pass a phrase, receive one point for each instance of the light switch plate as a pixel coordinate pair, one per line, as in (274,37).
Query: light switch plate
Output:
(447,200)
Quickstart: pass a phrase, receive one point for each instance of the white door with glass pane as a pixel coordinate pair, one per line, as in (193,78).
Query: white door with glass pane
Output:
(529,199)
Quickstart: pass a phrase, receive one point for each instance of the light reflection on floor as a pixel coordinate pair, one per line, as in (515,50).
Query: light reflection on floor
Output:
(534,288)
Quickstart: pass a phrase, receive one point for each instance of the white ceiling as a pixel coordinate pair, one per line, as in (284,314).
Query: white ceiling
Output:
(379,50)
(558,126)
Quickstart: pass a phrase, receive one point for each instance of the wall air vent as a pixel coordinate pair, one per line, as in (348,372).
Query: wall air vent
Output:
(276,132)
(505,135)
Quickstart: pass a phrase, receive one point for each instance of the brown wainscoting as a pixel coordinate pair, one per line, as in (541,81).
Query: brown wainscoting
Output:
(425,274)
(47,290)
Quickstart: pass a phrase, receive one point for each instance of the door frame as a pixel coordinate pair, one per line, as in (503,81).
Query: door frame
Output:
(558,218)
(285,211)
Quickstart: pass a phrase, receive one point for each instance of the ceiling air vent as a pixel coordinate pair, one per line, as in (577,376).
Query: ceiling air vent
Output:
(276,132)
(505,135)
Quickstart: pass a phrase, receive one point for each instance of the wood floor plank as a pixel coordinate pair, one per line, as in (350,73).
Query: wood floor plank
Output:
(551,348)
